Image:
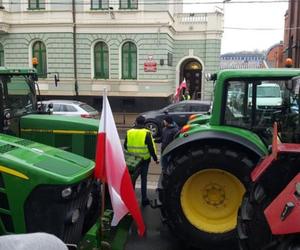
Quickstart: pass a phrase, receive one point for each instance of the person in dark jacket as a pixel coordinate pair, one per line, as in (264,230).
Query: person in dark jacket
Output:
(168,133)
(139,141)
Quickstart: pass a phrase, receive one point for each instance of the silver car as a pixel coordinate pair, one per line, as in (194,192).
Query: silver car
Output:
(69,108)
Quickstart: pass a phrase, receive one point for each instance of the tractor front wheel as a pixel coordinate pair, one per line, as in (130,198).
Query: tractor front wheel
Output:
(203,189)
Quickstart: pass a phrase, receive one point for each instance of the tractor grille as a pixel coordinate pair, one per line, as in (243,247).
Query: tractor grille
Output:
(5,216)
(47,211)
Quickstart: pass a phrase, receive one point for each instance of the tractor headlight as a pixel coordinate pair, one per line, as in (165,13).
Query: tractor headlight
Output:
(65,193)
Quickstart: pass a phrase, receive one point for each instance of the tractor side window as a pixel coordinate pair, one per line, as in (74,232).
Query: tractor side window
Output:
(237,109)
(19,97)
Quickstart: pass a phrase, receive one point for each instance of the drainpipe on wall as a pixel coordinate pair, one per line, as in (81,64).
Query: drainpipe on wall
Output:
(74,47)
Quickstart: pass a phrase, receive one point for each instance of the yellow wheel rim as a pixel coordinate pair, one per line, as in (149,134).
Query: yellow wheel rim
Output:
(210,200)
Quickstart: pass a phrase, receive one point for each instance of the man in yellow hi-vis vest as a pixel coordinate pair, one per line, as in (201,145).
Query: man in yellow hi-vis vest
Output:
(139,141)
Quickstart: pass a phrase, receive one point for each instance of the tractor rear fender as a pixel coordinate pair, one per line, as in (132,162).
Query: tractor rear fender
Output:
(227,138)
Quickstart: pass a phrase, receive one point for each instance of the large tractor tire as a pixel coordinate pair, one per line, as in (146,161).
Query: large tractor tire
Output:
(253,230)
(202,191)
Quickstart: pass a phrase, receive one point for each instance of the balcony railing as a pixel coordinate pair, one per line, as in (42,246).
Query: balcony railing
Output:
(194,18)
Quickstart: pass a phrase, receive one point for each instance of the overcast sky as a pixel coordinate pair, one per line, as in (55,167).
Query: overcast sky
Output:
(247,26)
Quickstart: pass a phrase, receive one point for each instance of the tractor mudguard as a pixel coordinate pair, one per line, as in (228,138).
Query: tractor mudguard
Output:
(211,135)
(261,168)
(284,211)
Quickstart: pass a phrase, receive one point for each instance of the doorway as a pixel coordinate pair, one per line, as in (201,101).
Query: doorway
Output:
(191,71)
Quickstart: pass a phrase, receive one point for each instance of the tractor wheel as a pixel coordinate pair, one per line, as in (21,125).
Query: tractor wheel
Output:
(153,127)
(203,189)
(253,229)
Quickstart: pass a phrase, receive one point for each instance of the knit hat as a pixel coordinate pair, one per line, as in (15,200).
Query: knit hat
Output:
(140,120)
(169,119)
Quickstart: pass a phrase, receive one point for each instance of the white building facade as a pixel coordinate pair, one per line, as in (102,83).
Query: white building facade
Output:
(138,51)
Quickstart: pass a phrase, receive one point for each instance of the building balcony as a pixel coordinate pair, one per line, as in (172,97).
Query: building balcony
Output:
(191,22)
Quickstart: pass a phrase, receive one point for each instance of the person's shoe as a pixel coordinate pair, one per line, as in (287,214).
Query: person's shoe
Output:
(145,203)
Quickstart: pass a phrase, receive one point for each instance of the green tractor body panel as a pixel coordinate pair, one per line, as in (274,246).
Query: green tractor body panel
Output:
(74,134)
(200,119)
(206,133)
(25,165)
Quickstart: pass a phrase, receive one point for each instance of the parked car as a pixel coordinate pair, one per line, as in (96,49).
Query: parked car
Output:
(69,108)
(180,112)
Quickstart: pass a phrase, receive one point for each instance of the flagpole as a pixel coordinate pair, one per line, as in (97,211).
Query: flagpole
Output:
(103,184)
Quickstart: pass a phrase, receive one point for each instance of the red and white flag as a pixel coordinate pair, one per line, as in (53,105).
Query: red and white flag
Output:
(111,168)
(178,90)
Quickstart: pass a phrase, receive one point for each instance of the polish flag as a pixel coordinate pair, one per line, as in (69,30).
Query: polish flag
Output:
(178,90)
(182,84)
(111,168)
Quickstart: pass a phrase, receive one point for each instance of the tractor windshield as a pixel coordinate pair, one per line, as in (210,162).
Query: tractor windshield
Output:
(18,94)
(254,104)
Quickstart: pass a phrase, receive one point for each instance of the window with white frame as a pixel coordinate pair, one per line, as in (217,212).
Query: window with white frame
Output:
(36,4)
(128,4)
(101,61)
(99,4)
(129,61)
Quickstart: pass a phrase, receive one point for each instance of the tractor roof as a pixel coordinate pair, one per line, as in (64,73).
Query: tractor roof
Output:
(253,73)
(17,71)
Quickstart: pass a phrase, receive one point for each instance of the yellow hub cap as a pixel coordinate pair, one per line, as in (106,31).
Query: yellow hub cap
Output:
(210,200)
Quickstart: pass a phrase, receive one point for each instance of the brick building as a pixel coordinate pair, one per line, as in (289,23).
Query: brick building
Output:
(291,42)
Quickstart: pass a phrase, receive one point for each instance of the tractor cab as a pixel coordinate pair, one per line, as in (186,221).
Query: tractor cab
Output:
(17,89)
(255,103)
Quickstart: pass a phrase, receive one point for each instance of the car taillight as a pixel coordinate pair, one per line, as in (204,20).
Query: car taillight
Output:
(86,116)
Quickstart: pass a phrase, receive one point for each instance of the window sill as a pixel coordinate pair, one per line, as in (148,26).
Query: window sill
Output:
(36,9)
(100,9)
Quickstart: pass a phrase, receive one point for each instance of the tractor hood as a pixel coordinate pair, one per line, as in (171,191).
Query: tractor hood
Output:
(74,134)
(29,158)
(53,122)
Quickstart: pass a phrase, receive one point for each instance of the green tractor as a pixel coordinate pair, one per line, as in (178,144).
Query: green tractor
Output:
(46,167)
(206,169)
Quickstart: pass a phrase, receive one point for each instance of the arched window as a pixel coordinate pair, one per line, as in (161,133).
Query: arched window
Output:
(1,55)
(39,52)
(101,59)
(129,61)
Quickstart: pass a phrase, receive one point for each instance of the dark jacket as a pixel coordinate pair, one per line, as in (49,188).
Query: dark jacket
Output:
(148,142)
(168,134)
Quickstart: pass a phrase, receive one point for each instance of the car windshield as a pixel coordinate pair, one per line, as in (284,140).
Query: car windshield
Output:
(18,95)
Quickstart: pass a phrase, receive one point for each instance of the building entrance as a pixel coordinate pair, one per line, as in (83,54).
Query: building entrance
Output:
(191,71)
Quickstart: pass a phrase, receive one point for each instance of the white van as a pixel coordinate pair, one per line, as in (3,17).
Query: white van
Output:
(268,95)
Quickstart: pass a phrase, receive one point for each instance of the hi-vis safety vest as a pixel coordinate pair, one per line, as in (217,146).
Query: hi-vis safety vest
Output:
(188,97)
(136,143)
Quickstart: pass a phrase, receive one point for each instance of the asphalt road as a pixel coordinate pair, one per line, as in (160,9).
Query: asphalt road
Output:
(157,237)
